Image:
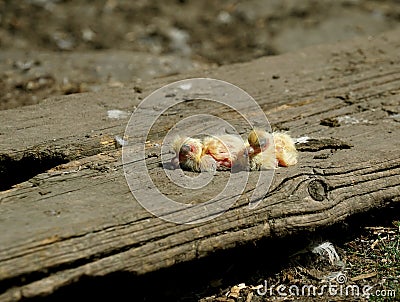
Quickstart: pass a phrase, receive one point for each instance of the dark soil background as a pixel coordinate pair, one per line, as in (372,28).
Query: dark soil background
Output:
(55,47)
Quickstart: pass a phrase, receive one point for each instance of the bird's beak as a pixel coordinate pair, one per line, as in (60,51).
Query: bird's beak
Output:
(249,151)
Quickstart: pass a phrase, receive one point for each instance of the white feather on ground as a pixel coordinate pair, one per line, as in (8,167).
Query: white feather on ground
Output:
(327,249)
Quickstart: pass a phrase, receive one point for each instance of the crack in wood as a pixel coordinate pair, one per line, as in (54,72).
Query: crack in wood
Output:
(31,163)
(318,144)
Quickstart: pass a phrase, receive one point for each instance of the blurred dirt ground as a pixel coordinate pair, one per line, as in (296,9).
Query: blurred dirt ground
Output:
(55,47)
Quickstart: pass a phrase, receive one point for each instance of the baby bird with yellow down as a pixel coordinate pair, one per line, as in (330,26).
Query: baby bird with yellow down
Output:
(262,151)
(210,153)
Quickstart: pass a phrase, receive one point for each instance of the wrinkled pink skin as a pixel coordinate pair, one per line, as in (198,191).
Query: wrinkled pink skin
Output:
(229,151)
(217,153)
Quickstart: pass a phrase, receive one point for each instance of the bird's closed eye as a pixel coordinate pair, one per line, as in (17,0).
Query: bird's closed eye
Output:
(185,149)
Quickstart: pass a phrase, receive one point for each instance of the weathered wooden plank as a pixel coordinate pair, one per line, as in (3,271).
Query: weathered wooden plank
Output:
(81,219)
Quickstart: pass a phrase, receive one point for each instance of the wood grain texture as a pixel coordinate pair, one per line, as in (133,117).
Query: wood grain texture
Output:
(71,214)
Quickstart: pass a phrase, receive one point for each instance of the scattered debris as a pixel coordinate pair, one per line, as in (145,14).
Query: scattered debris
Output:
(25,65)
(120,141)
(301,140)
(152,154)
(63,41)
(249,297)
(322,156)
(52,212)
(88,34)
(117,114)
(327,249)
(346,119)
(338,121)
(364,276)
(235,290)
(330,122)
(138,89)
(37,83)
(314,144)
(179,41)
(224,17)
(185,86)
(396,117)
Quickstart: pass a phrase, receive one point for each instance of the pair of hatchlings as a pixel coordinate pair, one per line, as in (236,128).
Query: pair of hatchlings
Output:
(261,151)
